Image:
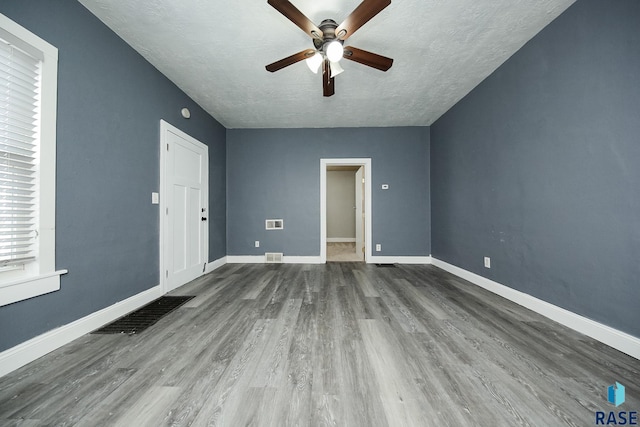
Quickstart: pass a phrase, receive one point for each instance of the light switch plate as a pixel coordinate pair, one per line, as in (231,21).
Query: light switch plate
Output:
(155,198)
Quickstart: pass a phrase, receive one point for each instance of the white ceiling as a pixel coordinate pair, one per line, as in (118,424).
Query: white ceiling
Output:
(216,51)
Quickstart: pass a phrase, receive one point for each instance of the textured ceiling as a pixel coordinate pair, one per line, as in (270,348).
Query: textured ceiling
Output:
(216,52)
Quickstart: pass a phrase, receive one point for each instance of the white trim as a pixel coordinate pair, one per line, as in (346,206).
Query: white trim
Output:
(245,259)
(366,162)
(214,265)
(162,206)
(612,337)
(341,239)
(29,287)
(31,350)
(16,34)
(400,260)
(287,259)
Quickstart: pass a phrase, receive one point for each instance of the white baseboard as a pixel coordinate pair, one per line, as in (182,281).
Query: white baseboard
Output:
(214,265)
(619,340)
(399,260)
(31,350)
(286,259)
(246,259)
(341,239)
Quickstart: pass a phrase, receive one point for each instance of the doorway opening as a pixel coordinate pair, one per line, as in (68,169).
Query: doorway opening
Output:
(345,210)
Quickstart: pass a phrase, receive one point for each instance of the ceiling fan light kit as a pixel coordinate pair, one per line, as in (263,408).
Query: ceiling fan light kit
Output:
(314,62)
(334,51)
(335,68)
(328,40)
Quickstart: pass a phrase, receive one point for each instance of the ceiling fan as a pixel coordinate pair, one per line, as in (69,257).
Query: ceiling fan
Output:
(328,39)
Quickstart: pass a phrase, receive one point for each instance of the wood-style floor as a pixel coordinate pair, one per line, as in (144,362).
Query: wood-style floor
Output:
(341,344)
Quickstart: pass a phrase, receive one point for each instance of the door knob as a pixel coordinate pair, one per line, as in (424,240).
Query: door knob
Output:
(204,219)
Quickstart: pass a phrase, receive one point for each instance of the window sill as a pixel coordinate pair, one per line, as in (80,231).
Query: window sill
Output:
(29,287)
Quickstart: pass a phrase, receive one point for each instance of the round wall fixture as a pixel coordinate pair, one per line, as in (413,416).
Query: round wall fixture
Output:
(185,113)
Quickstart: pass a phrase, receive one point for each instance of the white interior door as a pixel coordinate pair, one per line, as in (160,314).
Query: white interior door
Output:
(359,212)
(186,204)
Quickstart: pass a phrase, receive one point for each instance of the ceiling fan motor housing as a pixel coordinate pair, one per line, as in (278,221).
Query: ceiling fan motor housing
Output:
(328,27)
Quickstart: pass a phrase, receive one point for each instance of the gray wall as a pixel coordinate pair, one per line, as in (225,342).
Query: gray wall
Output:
(341,196)
(110,102)
(275,173)
(539,167)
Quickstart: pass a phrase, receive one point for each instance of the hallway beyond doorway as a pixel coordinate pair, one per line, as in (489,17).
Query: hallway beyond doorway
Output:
(342,252)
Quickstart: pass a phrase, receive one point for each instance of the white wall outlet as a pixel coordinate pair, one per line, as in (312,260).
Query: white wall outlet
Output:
(155,198)
(257,243)
(385,186)
(378,247)
(487,262)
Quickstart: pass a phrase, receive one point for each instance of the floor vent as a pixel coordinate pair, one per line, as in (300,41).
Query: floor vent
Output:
(273,257)
(386,265)
(139,320)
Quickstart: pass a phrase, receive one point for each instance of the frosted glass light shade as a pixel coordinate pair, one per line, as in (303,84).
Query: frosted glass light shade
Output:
(334,51)
(335,68)
(314,62)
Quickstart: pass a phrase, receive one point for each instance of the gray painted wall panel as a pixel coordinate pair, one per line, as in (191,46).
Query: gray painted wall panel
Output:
(110,102)
(538,168)
(275,173)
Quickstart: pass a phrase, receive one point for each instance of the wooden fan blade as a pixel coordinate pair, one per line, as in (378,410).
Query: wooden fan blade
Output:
(360,16)
(285,62)
(374,60)
(328,88)
(294,15)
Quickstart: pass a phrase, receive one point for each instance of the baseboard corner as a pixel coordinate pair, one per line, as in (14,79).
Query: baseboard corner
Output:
(214,265)
(612,337)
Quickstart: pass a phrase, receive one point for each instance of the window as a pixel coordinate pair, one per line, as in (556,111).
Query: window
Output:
(20,81)
(28,96)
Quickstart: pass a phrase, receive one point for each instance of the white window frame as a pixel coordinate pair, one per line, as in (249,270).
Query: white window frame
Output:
(38,277)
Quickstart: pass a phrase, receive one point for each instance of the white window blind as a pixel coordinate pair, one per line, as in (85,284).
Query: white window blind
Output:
(19,148)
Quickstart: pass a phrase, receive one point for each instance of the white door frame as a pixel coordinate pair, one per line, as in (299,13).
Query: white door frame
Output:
(359,212)
(366,162)
(165,128)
